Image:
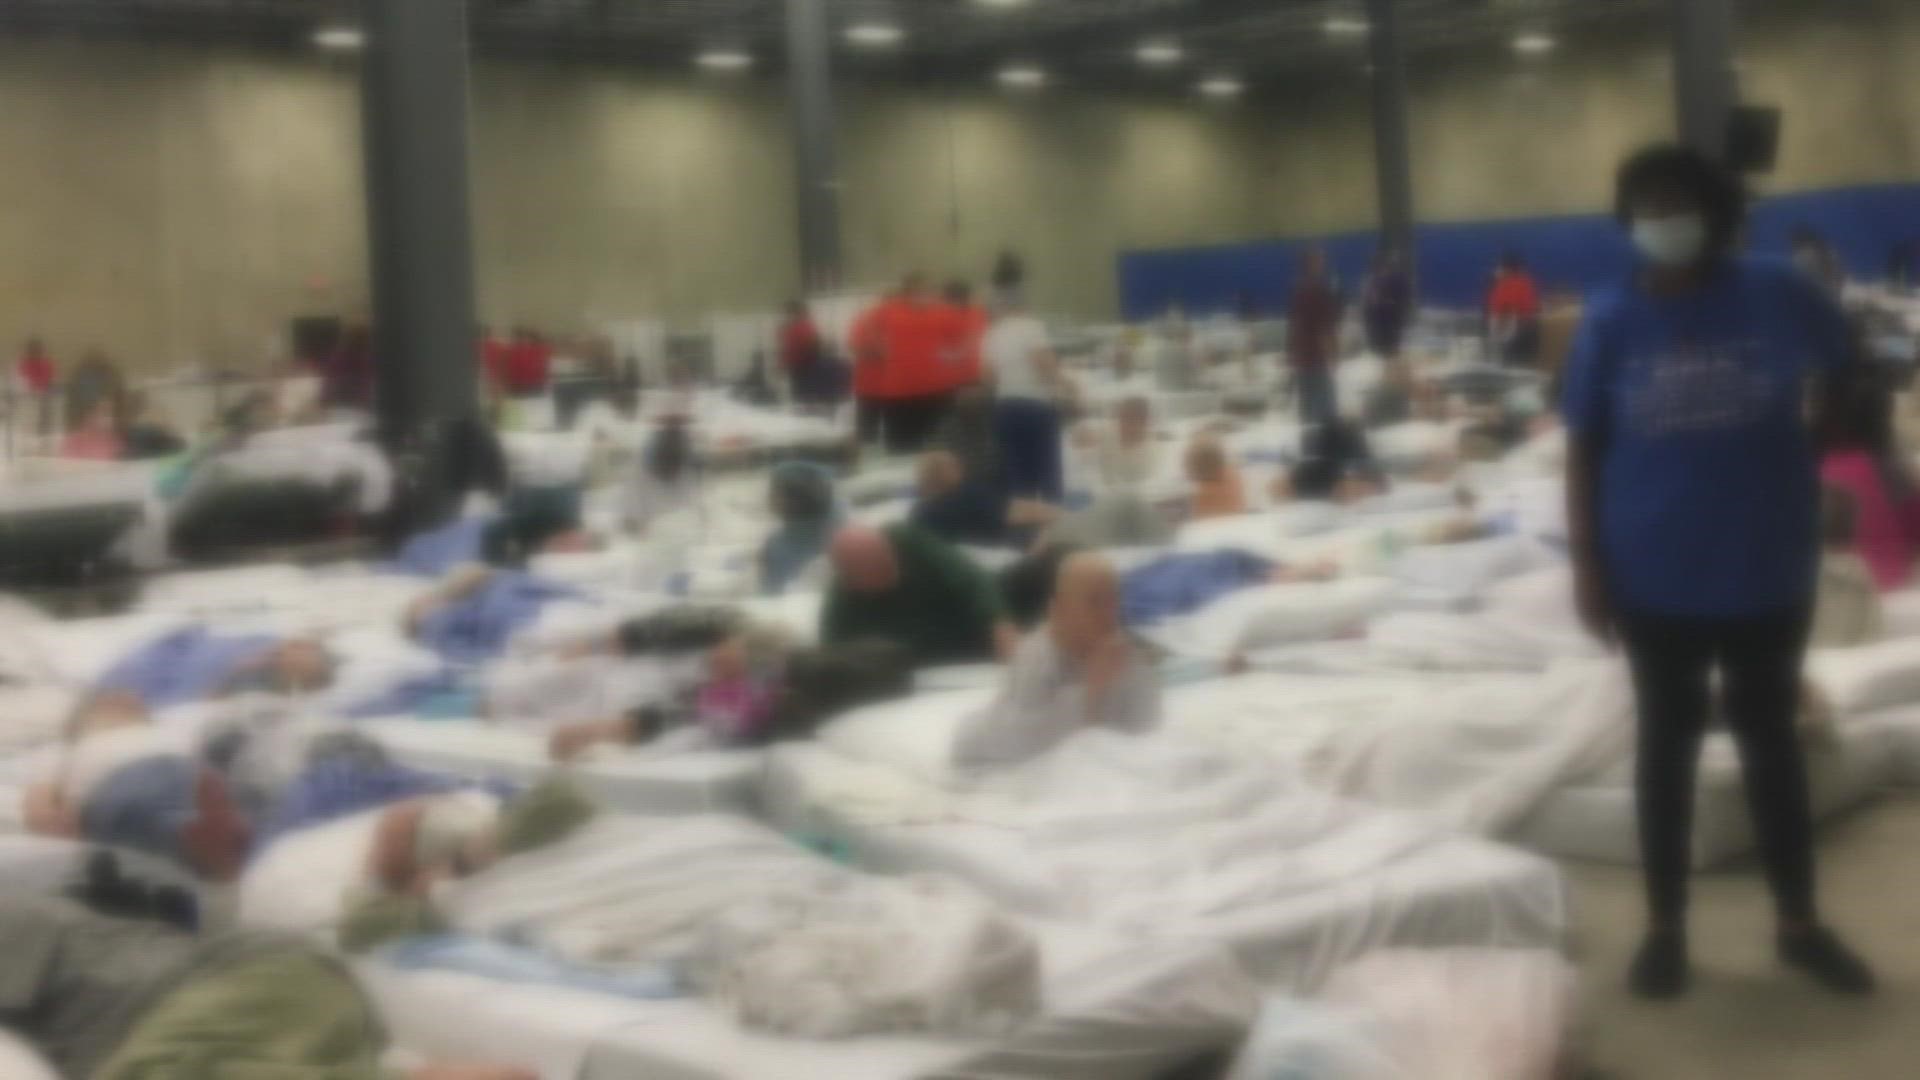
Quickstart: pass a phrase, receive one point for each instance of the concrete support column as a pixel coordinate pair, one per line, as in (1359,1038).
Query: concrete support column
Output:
(1392,156)
(810,89)
(1705,85)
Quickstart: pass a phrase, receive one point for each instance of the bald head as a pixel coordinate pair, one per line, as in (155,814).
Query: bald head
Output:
(1086,604)
(863,559)
(940,472)
(1206,460)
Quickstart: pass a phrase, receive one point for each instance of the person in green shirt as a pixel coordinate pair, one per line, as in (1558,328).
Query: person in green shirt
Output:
(905,585)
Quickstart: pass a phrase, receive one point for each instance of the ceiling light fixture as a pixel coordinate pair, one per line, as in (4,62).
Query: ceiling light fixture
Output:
(1534,43)
(1221,87)
(340,38)
(1346,26)
(875,35)
(1022,77)
(725,60)
(1159,53)
(1001,4)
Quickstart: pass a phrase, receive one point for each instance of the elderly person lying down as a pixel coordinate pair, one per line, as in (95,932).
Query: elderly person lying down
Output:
(117,999)
(1079,670)
(208,796)
(905,585)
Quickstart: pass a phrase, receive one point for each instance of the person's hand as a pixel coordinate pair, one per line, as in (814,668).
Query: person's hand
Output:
(1006,640)
(1107,663)
(472,1072)
(1591,601)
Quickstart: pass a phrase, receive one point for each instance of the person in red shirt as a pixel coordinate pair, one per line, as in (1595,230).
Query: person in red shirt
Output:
(528,362)
(963,324)
(915,385)
(869,351)
(493,359)
(1513,312)
(1313,328)
(35,369)
(802,357)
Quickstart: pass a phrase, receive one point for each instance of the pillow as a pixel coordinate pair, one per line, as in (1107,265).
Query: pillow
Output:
(1875,676)
(304,880)
(913,735)
(19,1061)
(1269,616)
(1900,613)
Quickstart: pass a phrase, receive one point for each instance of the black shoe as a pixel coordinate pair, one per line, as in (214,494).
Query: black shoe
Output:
(1822,955)
(1660,971)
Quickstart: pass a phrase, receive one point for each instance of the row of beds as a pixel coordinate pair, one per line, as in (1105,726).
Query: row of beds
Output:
(1164,906)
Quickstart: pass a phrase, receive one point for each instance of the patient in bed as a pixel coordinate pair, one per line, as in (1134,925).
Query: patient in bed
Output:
(118,999)
(1079,671)
(1217,488)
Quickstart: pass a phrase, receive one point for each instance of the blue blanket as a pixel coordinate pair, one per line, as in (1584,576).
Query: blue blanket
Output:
(1174,585)
(436,551)
(335,788)
(512,963)
(187,665)
(477,627)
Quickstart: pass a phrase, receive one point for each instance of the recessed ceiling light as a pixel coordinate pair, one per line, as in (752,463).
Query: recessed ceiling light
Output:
(1022,77)
(1159,53)
(1345,26)
(875,35)
(1534,43)
(725,60)
(1221,87)
(1001,3)
(340,38)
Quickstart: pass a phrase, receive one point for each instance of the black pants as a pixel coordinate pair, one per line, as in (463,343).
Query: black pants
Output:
(911,421)
(869,417)
(1758,658)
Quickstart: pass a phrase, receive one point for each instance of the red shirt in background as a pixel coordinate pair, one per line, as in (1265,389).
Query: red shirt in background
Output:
(869,352)
(1515,296)
(911,331)
(526,366)
(493,360)
(799,345)
(36,372)
(961,326)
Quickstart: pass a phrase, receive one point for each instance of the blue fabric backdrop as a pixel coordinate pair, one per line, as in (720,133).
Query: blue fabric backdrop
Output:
(1455,260)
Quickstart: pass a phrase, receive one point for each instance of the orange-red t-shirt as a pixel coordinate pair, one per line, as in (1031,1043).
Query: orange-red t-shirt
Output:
(869,352)
(912,333)
(1514,295)
(961,328)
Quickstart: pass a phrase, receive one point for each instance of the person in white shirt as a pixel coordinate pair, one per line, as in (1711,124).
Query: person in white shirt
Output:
(1027,376)
(666,482)
(1125,454)
(1079,671)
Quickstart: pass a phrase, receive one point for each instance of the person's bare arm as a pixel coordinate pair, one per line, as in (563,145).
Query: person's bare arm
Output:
(1583,512)
(46,813)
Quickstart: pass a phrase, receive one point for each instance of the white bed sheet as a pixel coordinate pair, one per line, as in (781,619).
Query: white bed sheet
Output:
(1114,1010)
(1436,890)
(1598,821)
(635,781)
(1899,731)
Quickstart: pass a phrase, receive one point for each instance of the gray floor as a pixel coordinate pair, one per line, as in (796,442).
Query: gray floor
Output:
(1747,1019)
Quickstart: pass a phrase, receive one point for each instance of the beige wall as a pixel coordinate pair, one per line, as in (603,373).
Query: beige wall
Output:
(175,204)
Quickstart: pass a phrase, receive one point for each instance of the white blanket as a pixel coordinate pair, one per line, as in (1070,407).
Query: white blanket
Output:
(1476,754)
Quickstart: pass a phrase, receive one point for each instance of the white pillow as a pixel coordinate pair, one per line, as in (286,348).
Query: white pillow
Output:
(19,1061)
(1269,616)
(1875,676)
(302,883)
(1900,612)
(913,735)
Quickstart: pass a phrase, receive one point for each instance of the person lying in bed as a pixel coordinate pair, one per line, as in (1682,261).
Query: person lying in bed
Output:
(963,509)
(472,615)
(195,664)
(1079,671)
(117,999)
(757,688)
(1217,488)
(905,585)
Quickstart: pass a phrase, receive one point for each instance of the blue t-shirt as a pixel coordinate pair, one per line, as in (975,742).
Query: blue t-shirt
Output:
(1694,409)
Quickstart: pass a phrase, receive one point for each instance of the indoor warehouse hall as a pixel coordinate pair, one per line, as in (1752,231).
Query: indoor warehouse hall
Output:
(921,539)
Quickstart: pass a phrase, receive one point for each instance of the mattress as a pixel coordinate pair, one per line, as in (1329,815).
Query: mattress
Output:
(1598,821)
(1448,891)
(633,781)
(1899,732)
(1114,1010)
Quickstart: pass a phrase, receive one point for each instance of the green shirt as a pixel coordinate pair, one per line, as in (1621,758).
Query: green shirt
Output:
(943,608)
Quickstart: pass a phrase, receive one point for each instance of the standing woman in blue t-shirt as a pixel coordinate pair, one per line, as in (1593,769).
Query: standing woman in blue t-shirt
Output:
(1692,501)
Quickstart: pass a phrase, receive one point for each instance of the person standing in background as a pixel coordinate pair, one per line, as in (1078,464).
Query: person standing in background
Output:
(801,354)
(1027,377)
(914,385)
(347,378)
(1693,514)
(529,363)
(1860,456)
(33,376)
(1513,312)
(963,324)
(869,351)
(1387,306)
(1313,328)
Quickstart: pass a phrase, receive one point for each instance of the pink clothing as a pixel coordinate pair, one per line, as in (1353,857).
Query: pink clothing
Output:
(92,445)
(734,710)
(1886,531)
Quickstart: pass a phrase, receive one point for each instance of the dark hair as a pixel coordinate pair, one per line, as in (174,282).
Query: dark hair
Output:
(1009,271)
(670,453)
(1718,190)
(959,292)
(1511,260)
